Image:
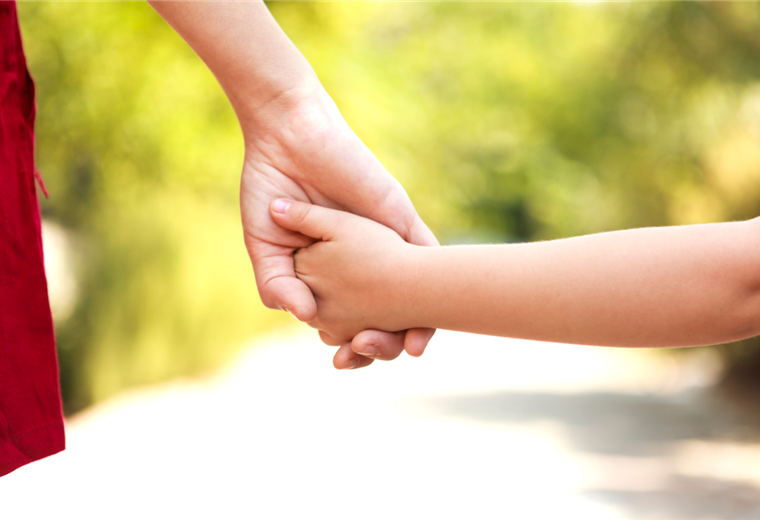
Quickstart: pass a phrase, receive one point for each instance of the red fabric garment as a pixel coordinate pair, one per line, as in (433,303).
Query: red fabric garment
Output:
(31,421)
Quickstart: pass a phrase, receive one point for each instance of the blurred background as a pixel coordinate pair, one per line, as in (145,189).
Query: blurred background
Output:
(504,121)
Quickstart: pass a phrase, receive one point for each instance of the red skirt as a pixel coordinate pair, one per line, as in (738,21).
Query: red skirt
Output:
(31,421)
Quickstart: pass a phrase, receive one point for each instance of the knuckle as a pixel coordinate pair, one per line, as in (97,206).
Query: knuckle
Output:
(266,296)
(302,215)
(269,302)
(270,298)
(389,350)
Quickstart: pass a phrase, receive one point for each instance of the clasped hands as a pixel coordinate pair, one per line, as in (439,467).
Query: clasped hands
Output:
(305,152)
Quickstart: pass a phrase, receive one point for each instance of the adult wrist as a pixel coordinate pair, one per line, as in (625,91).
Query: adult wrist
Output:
(266,106)
(290,117)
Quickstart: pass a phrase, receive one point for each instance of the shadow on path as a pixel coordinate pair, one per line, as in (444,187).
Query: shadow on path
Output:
(685,498)
(633,426)
(610,423)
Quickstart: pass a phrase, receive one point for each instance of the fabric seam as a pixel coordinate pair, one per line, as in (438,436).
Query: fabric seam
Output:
(30,432)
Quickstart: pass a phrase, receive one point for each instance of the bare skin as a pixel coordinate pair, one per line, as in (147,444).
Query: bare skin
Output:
(297,145)
(653,287)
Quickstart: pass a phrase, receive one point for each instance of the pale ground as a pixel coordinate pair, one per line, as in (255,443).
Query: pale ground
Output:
(477,428)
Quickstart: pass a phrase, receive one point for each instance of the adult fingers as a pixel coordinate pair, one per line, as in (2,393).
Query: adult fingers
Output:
(329,340)
(347,359)
(288,293)
(277,283)
(417,340)
(397,212)
(420,234)
(377,344)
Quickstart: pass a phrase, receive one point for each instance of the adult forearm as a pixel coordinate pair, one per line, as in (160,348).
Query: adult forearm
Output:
(677,286)
(253,60)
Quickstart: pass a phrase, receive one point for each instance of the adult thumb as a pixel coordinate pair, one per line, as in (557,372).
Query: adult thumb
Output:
(307,219)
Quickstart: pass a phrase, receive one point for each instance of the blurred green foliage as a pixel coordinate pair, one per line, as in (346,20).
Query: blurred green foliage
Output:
(504,121)
(520,121)
(141,153)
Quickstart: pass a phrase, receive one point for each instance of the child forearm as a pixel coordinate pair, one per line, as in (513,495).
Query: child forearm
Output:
(654,287)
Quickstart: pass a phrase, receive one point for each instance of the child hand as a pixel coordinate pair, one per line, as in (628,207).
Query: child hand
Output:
(359,271)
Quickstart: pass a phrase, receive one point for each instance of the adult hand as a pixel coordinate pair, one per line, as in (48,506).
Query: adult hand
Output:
(301,148)
(297,146)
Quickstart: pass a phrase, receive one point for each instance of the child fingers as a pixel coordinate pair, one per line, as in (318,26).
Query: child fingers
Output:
(347,359)
(310,220)
(377,344)
(417,340)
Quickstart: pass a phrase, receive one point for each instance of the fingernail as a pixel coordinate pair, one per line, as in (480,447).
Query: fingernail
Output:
(281,205)
(351,364)
(368,350)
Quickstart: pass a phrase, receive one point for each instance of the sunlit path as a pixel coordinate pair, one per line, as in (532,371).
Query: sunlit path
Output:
(477,428)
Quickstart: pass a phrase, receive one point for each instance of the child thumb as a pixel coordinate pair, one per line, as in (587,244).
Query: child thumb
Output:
(308,219)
